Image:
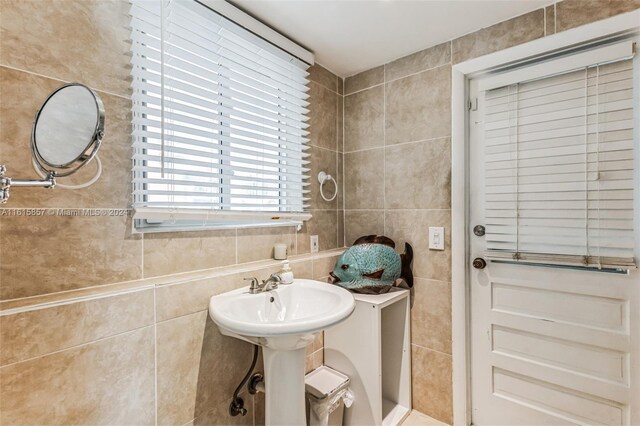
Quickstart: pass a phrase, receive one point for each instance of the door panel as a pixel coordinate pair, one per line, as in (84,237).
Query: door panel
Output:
(549,346)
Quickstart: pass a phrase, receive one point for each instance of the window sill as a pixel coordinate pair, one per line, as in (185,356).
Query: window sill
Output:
(150,220)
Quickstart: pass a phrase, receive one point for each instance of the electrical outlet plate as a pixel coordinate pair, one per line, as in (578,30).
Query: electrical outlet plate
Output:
(314,244)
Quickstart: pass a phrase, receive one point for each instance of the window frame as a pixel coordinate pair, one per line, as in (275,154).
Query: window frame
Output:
(167,219)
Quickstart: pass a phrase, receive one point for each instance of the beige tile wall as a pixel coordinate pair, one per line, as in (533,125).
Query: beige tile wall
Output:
(397,161)
(139,352)
(99,325)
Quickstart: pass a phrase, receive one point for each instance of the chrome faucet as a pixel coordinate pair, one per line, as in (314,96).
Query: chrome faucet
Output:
(269,284)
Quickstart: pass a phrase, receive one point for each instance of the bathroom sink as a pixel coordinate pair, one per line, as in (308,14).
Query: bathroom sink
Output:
(304,307)
(283,321)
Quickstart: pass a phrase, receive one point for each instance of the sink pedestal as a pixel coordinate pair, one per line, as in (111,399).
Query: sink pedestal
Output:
(284,386)
(284,321)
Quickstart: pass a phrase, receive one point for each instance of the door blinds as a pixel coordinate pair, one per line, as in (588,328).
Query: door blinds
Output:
(219,116)
(559,167)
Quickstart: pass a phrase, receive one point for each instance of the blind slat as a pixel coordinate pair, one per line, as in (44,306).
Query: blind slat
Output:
(250,157)
(180,173)
(150,94)
(180,63)
(276,186)
(218,121)
(218,138)
(277,170)
(255,207)
(207,84)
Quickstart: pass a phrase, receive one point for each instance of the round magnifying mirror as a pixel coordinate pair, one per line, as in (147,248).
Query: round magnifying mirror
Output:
(68,130)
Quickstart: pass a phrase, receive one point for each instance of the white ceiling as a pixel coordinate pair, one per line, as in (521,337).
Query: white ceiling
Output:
(350,36)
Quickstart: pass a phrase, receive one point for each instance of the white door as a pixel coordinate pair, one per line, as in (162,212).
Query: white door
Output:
(549,345)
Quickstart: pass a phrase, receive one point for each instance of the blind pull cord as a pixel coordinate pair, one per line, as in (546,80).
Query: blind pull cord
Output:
(162,60)
(598,156)
(586,163)
(517,254)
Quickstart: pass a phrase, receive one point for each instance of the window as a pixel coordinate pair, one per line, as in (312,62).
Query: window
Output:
(219,122)
(559,160)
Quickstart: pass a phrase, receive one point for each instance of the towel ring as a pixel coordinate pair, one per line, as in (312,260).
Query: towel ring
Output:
(324,177)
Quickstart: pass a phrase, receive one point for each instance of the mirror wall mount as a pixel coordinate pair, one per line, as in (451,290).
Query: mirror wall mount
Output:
(67,134)
(6,183)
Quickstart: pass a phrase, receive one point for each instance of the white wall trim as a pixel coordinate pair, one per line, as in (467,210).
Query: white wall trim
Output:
(461,74)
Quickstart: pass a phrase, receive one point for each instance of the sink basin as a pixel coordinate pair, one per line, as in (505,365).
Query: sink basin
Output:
(283,321)
(304,307)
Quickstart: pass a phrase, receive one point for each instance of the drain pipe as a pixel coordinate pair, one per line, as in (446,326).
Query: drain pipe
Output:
(256,384)
(237,404)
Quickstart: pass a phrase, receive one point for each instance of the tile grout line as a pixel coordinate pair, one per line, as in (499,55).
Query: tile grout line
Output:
(430,349)
(399,144)
(384,150)
(313,262)
(325,87)
(399,78)
(79,345)
(253,405)
(337,165)
(166,320)
(155,351)
(321,147)
(365,89)
(448,282)
(295,229)
(401,210)
(106,92)
(444,64)
(451,52)
(142,255)
(415,53)
(344,178)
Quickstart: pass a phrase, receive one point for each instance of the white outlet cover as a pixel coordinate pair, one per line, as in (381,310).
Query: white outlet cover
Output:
(314,244)
(436,238)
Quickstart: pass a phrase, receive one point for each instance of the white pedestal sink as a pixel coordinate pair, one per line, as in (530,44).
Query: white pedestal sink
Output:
(283,321)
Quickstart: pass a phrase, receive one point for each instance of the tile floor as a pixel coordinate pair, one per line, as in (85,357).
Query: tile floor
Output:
(416,418)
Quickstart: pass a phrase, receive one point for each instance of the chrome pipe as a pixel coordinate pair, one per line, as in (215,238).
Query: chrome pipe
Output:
(6,183)
(50,182)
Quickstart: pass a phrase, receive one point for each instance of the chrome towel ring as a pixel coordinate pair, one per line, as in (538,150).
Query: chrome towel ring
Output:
(323,178)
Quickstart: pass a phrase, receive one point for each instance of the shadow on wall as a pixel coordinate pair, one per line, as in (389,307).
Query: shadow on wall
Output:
(223,363)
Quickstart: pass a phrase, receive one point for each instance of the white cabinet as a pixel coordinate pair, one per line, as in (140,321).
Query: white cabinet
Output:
(372,347)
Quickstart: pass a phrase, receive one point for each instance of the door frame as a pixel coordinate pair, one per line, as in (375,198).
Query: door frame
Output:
(461,74)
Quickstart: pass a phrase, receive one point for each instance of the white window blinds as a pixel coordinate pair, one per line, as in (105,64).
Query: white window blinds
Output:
(219,118)
(559,167)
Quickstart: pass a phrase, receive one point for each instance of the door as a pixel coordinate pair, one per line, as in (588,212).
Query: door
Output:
(549,345)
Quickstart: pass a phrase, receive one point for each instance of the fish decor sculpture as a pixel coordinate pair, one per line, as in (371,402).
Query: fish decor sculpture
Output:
(372,265)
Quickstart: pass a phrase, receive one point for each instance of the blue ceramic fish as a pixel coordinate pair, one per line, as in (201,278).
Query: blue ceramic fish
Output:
(372,265)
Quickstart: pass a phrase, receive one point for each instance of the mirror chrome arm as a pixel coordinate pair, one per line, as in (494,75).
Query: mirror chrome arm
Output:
(6,183)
